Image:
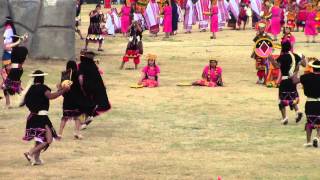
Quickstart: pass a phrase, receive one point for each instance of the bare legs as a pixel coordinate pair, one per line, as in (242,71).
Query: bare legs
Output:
(100,45)
(275,38)
(7,97)
(284,114)
(79,33)
(313,39)
(77,126)
(213,36)
(36,150)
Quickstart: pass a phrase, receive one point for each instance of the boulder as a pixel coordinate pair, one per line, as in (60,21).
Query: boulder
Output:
(58,13)
(53,42)
(4,12)
(25,12)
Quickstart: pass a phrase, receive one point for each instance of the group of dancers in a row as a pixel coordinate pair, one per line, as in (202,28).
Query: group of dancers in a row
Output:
(216,13)
(284,74)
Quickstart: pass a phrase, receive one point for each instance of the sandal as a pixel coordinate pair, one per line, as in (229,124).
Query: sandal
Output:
(299,117)
(285,121)
(315,142)
(78,136)
(28,157)
(37,163)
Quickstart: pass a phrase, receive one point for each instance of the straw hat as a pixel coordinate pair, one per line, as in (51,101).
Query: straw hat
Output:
(315,64)
(38,73)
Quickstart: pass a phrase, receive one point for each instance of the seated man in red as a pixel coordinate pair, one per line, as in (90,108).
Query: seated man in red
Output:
(211,76)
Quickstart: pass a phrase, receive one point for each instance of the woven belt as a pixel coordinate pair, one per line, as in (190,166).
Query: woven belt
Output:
(313,99)
(16,65)
(43,113)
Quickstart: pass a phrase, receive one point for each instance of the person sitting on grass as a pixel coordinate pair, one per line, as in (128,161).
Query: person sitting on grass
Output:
(150,73)
(211,75)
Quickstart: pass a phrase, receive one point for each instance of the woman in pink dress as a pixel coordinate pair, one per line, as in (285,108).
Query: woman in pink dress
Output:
(211,75)
(125,18)
(275,27)
(214,19)
(150,73)
(167,20)
(310,27)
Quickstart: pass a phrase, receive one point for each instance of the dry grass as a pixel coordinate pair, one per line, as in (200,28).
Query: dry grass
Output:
(171,132)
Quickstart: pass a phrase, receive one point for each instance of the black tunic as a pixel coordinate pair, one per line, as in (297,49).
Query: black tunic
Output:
(285,62)
(18,56)
(94,27)
(73,99)
(311,87)
(93,86)
(36,101)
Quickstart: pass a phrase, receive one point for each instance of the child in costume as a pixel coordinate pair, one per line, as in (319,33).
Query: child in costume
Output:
(288,36)
(261,63)
(135,47)
(211,75)
(150,73)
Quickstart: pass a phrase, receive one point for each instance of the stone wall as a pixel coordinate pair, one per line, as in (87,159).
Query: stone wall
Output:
(50,24)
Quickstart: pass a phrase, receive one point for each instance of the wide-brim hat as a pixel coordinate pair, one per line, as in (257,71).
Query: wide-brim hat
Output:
(38,73)
(8,18)
(315,64)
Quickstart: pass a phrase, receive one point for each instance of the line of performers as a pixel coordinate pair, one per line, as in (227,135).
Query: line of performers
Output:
(151,15)
(282,71)
(292,15)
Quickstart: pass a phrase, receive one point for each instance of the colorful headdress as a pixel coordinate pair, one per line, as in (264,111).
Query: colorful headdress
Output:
(309,7)
(277,2)
(151,57)
(262,25)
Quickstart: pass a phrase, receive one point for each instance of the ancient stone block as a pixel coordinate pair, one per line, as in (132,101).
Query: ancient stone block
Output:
(4,12)
(53,43)
(25,12)
(57,13)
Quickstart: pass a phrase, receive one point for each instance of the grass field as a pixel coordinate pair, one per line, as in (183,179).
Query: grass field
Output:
(171,132)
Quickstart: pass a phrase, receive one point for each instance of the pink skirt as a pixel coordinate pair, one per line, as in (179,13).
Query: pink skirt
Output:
(125,22)
(150,83)
(206,83)
(310,28)
(167,24)
(214,24)
(275,27)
